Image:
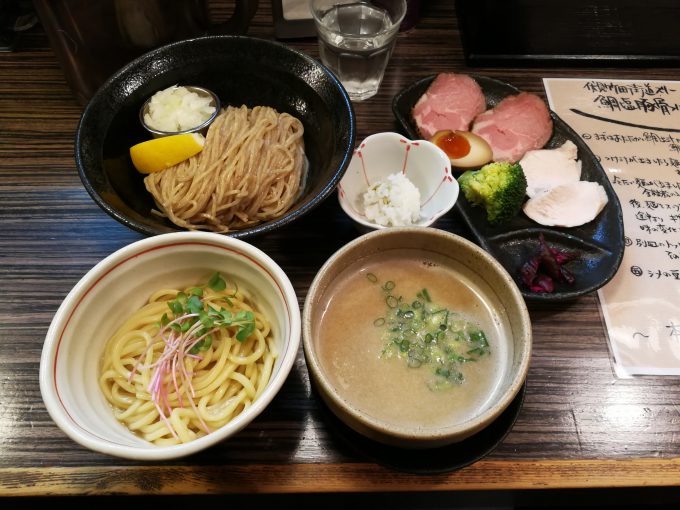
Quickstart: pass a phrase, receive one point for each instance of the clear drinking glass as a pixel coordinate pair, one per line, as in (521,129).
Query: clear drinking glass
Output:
(356,38)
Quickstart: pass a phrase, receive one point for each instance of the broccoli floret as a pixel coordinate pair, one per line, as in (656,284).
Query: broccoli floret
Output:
(499,187)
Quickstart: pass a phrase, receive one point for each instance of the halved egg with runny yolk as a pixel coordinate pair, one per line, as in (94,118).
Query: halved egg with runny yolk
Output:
(464,149)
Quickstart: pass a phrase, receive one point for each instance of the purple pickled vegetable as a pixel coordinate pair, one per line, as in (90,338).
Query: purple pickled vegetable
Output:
(541,271)
(567,276)
(529,270)
(548,262)
(543,283)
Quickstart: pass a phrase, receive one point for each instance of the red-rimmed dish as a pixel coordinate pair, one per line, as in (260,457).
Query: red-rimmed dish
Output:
(383,154)
(119,285)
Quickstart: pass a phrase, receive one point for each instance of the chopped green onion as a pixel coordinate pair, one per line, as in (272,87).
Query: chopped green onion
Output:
(371,277)
(442,372)
(414,362)
(424,334)
(424,295)
(480,337)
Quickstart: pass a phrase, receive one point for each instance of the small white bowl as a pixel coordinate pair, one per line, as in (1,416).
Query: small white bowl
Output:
(116,287)
(383,154)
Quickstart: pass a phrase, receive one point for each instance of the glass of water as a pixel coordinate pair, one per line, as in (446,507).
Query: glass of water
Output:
(356,38)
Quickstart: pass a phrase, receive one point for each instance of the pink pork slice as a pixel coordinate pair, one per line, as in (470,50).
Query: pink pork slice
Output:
(516,125)
(451,101)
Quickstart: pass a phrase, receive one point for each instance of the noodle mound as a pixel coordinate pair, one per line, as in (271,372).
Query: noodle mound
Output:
(248,172)
(170,401)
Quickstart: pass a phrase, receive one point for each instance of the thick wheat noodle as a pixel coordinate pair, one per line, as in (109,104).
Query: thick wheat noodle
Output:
(248,172)
(229,376)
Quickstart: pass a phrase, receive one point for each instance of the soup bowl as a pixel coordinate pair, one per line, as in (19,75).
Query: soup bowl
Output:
(118,286)
(239,70)
(388,287)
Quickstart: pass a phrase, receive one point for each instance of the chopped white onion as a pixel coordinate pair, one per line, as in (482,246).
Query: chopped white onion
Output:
(177,109)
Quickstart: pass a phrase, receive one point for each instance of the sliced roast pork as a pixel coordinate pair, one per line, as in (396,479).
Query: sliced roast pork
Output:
(451,101)
(516,125)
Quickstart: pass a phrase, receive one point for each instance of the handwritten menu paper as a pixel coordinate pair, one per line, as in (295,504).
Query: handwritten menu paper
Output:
(633,127)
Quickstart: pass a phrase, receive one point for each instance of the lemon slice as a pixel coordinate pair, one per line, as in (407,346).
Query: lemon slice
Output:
(161,153)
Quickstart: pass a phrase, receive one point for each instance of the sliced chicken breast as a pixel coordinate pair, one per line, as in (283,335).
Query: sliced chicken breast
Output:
(567,205)
(547,168)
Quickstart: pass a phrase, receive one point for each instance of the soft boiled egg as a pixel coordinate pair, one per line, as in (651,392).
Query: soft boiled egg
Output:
(464,149)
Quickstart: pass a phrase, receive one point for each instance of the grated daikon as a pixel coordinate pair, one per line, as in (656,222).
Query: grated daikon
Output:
(394,201)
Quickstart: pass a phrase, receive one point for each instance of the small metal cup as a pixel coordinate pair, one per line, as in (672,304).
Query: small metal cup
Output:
(201,128)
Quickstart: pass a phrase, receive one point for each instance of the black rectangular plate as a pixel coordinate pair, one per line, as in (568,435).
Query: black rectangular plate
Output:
(600,243)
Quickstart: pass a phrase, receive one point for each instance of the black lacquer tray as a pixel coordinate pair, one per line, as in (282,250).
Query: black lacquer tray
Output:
(431,460)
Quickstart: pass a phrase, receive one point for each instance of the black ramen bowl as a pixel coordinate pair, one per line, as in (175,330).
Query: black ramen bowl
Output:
(241,71)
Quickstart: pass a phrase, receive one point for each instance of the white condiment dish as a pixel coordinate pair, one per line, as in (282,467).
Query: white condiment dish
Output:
(384,154)
(201,128)
(119,285)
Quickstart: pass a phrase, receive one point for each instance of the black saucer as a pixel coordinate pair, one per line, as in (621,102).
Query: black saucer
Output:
(432,460)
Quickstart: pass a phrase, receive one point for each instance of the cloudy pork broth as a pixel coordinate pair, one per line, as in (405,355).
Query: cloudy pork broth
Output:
(356,346)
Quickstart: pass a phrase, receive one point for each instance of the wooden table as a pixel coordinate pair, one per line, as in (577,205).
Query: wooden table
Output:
(580,426)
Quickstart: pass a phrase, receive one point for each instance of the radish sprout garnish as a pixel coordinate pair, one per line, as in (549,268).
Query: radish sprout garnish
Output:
(186,331)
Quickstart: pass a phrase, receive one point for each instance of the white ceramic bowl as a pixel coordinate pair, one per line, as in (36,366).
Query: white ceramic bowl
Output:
(383,154)
(113,290)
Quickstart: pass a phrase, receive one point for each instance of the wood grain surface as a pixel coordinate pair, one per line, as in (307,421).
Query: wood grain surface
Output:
(580,426)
